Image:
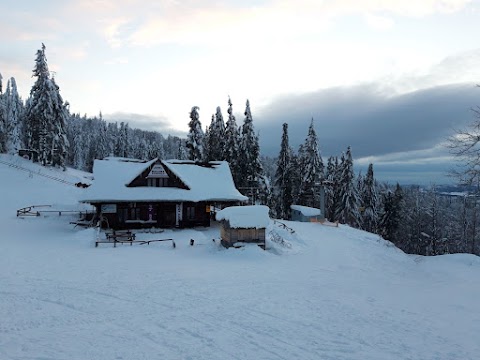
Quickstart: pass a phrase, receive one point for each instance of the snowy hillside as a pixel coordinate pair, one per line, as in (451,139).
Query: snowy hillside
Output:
(331,293)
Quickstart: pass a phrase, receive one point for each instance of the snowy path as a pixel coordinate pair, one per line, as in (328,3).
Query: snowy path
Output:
(337,294)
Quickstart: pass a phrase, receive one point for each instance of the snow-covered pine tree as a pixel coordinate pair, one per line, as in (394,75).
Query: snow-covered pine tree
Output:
(208,140)
(102,141)
(140,145)
(369,201)
(217,137)
(195,136)
(283,177)
(390,218)
(348,210)
(14,117)
(359,185)
(231,146)
(58,127)
(46,116)
(252,181)
(113,134)
(123,146)
(329,198)
(181,150)
(312,169)
(413,222)
(156,148)
(38,112)
(332,189)
(3,131)
(296,175)
(433,220)
(78,148)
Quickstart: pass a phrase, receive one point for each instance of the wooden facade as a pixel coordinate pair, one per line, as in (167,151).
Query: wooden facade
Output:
(135,215)
(230,236)
(243,224)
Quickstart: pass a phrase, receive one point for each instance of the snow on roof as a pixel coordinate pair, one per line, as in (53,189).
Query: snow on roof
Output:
(212,182)
(116,169)
(306,210)
(248,217)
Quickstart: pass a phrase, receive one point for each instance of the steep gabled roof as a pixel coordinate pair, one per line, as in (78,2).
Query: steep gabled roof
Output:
(206,182)
(123,170)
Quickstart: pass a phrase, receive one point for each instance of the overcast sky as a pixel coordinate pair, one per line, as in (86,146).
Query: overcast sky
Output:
(390,78)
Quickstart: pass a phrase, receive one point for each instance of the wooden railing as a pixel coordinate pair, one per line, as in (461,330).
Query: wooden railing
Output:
(37,210)
(28,211)
(126,237)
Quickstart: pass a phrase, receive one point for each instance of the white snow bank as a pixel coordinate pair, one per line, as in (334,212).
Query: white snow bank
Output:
(306,210)
(248,217)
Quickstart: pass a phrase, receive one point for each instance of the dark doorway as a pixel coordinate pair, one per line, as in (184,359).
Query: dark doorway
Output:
(166,214)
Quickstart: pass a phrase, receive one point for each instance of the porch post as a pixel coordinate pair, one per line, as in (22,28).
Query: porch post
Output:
(178,214)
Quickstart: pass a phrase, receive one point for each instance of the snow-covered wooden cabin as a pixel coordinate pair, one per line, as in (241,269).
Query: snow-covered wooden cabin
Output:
(306,214)
(133,194)
(243,224)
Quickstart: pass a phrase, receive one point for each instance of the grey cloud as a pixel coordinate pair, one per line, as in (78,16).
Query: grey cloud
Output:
(370,122)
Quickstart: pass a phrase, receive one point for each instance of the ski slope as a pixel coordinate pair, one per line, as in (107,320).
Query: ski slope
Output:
(333,293)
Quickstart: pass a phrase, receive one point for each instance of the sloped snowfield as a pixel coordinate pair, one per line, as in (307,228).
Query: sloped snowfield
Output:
(331,293)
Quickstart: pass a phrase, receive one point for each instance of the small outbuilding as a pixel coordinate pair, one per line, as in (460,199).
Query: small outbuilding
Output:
(306,214)
(243,224)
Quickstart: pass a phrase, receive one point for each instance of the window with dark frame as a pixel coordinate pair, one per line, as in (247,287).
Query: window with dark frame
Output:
(157,182)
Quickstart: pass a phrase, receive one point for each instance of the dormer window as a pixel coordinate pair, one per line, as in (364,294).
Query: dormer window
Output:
(157,182)
(157,177)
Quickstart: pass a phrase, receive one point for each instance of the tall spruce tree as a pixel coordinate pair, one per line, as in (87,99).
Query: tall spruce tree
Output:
(3,131)
(312,169)
(332,192)
(390,218)
(208,141)
(78,147)
(348,210)
(195,136)
(14,117)
(231,146)
(58,128)
(181,153)
(369,202)
(296,160)
(38,112)
(102,143)
(250,166)
(217,136)
(123,141)
(283,177)
(46,116)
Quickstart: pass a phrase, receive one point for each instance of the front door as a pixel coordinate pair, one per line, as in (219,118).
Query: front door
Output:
(166,215)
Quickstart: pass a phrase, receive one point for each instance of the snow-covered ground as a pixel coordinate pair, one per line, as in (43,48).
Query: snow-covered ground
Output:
(334,293)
